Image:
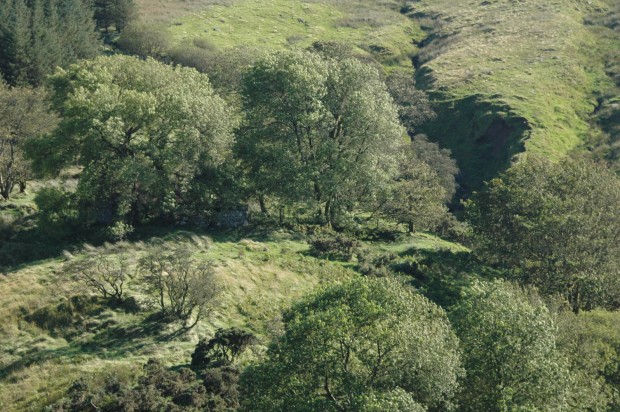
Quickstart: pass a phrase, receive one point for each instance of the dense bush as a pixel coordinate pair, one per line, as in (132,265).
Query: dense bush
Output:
(555,226)
(223,349)
(339,246)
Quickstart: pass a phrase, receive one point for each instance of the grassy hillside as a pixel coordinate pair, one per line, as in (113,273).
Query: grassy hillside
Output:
(375,28)
(510,76)
(506,77)
(51,327)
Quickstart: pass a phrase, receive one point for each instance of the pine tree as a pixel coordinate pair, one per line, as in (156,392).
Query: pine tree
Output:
(38,35)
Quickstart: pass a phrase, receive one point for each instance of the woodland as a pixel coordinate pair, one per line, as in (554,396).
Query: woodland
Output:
(336,205)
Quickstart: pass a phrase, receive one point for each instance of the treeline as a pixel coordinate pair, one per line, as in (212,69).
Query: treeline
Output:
(315,139)
(36,36)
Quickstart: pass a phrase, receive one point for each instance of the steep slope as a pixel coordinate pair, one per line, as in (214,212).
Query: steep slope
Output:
(510,76)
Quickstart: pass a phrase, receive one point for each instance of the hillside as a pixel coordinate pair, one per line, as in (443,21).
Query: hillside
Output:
(511,76)
(505,77)
(295,193)
(50,329)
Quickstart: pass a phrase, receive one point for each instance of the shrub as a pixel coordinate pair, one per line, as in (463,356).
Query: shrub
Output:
(144,41)
(338,247)
(224,348)
(375,265)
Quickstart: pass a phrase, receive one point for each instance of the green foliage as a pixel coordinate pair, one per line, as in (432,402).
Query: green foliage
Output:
(38,35)
(57,214)
(117,13)
(147,135)
(509,351)
(339,246)
(414,107)
(440,160)
(158,389)
(591,342)
(417,197)
(224,348)
(24,115)
(351,346)
(556,226)
(144,40)
(322,132)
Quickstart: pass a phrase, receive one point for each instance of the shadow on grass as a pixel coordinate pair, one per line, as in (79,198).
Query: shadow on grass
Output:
(110,341)
(441,275)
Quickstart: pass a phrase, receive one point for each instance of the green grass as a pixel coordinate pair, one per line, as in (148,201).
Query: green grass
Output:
(372,28)
(533,63)
(261,274)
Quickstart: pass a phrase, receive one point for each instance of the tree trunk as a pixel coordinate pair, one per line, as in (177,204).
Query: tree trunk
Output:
(328,213)
(263,206)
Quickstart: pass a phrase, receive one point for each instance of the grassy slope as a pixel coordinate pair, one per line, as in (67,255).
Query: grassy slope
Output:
(373,27)
(259,278)
(520,74)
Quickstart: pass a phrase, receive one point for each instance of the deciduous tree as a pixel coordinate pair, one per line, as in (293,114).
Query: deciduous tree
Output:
(147,136)
(556,226)
(24,115)
(362,345)
(317,130)
(509,351)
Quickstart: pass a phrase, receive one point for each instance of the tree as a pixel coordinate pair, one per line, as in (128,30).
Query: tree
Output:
(318,131)
(102,273)
(183,287)
(440,160)
(356,346)
(417,197)
(24,115)
(591,343)
(38,35)
(414,107)
(556,226)
(117,13)
(509,351)
(147,136)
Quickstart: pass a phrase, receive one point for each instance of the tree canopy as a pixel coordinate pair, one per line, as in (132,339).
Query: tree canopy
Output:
(509,351)
(316,130)
(147,136)
(556,226)
(362,345)
(38,35)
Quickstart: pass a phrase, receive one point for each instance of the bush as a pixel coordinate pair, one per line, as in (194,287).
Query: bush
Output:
(57,216)
(338,247)
(144,41)
(222,385)
(375,265)
(224,348)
